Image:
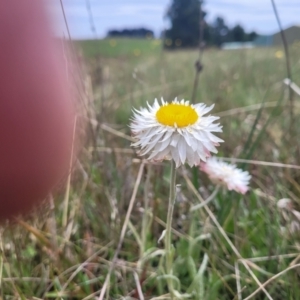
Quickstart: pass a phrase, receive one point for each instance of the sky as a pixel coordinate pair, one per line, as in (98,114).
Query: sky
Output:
(118,14)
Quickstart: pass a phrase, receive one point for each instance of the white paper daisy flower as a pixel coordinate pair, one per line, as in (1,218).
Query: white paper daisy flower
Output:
(226,174)
(176,130)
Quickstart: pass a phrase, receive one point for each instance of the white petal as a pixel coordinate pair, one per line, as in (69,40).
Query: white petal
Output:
(174,140)
(182,150)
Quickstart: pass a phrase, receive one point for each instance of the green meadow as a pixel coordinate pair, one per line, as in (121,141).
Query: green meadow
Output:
(122,47)
(236,247)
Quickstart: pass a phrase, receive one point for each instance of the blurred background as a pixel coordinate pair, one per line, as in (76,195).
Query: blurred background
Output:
(90,19)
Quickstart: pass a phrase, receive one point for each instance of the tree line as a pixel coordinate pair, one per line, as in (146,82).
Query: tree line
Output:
(188,22)
(134,33)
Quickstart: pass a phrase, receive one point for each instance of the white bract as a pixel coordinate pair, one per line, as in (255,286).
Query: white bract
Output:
(176,130)
(226,174)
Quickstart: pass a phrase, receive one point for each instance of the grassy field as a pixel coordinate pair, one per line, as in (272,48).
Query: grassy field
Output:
(129,48)
(225,251)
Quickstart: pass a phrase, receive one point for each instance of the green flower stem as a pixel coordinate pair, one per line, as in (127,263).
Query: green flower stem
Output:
(146,219)
(169,255)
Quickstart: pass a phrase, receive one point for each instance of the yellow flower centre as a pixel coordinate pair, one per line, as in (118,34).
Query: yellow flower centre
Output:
(178,114)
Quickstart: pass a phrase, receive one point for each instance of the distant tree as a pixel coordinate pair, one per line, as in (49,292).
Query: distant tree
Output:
(238,34)
(219,32)
(251,36)
(184,16)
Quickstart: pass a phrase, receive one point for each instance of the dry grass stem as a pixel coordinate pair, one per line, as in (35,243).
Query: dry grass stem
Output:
(116,132)
(261,163)
(270,280)
(124,228)
(112,150)
(239,110)
(67,194)
(265,258)
(138,286)
(238,281)
(292,85)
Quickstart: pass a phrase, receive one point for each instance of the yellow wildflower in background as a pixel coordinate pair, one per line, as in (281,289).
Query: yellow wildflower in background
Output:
(168,42)
(113,43)
(137,52)
(279,54)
